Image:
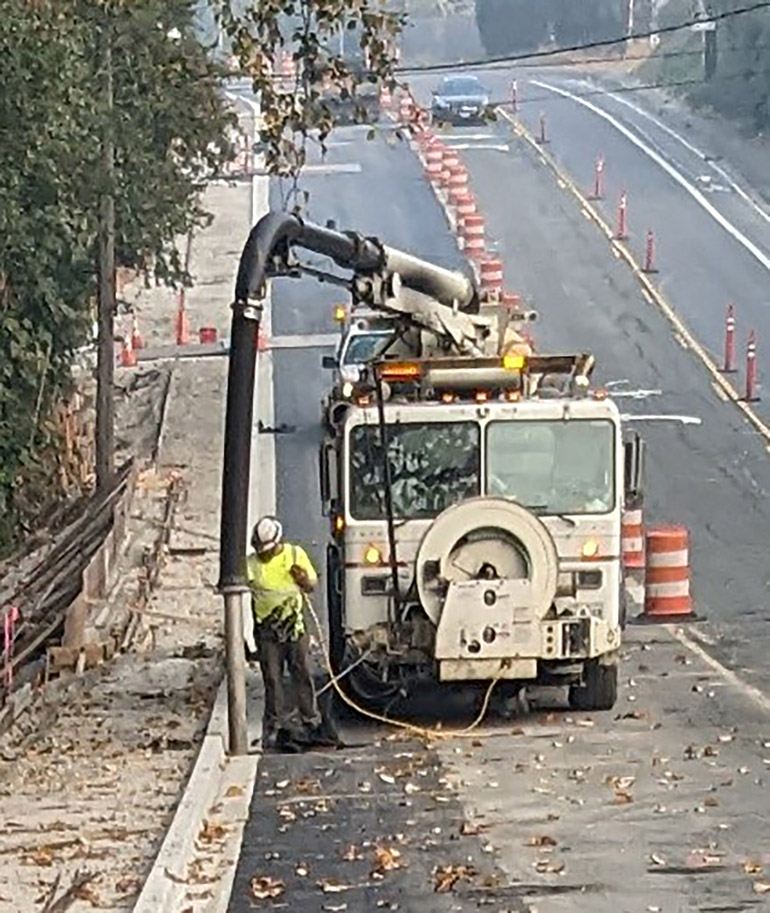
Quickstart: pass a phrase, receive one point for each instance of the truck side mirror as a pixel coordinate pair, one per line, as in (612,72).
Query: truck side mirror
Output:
(633,468)
(327,474)
(328,361)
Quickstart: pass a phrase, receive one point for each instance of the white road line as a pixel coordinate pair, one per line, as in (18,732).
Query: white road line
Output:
(465,137)
(495,147)
(696,194)
(335,168)
(747,690)
(690,147)
(682,419)
(308,341)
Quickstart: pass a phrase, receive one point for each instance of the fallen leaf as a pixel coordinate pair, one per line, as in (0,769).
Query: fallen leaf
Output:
(547,867)
(352,853)
(42,856)
(211,833)
(233,792)
(447,876)
(541,840)
(711,802)
(263,887)
(411,788)
(177,879)
(752,867)
(387,778)
(282,784)
(622,797)
(470,829)
(332,887)
(656,859)
(88,893)
(386,859)
(761,887)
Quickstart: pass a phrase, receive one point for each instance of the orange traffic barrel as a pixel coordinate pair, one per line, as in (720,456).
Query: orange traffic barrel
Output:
(632,537)
(466,206)
(458,179)
(667,585)
(511,300)
(473,236)
(492,276)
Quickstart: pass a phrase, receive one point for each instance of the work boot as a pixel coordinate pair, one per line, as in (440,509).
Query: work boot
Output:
(269,740)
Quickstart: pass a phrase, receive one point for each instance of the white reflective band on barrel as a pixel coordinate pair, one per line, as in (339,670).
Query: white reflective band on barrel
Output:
(668,559)
(663,590)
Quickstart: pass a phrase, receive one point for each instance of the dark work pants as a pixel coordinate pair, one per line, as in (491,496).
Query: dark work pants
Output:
(274,654)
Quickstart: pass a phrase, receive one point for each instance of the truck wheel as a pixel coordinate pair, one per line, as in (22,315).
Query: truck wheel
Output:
(599,690)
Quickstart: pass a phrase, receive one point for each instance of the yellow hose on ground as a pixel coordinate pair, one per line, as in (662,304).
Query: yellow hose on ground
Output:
(421,731)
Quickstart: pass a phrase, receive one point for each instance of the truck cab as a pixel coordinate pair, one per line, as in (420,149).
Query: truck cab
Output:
(476,528)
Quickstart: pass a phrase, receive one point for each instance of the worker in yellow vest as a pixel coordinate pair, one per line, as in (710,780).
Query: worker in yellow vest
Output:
(281,576)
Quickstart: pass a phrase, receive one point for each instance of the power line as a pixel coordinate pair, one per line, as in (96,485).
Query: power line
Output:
(608,42)
(585,61)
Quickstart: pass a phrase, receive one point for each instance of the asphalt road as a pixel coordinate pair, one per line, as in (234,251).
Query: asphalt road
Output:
(655,806)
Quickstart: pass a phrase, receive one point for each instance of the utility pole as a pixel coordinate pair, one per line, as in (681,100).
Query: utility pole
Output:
(105,363)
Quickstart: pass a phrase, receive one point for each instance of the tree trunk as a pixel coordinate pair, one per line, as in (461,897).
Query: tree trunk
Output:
(105,367)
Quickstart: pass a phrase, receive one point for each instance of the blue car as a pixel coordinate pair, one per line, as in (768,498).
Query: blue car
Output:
(459,100)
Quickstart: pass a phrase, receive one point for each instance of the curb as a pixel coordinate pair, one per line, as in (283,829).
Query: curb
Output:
(163,881)
(650,292)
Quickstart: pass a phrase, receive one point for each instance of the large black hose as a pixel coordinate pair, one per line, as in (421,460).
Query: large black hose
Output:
(273,235)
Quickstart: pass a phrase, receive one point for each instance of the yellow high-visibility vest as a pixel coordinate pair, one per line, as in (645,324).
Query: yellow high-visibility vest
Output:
(275,595)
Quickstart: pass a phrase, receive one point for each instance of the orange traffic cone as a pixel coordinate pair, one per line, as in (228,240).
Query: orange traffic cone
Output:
(127,354)
(182,325)
(137,342)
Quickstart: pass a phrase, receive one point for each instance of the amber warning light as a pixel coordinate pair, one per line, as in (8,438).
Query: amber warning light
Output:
(400,371)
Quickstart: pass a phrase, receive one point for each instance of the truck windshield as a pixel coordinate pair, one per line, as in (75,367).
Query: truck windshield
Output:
(363,347)
(432,466)
(553,467)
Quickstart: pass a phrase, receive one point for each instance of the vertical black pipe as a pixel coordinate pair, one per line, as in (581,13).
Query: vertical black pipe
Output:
(388,479)
(237,456)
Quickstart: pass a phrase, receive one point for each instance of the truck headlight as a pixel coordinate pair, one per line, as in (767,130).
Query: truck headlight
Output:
(590,548)
(372,555)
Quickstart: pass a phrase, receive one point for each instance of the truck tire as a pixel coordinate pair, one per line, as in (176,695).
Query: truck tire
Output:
(599,690)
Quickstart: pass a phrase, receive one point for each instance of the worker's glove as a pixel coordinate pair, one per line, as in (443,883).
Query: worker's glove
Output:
(249,642)
(300,577)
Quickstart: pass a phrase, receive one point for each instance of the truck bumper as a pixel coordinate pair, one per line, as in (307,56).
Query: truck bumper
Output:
(550,640)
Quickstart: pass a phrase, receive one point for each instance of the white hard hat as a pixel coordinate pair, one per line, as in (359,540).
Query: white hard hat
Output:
(267,534)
